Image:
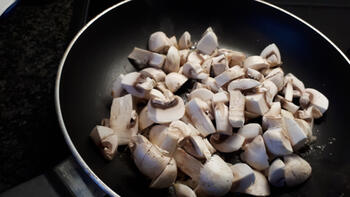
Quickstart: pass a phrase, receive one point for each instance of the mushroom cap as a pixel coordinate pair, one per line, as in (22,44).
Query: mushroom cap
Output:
(318,100)
(255,62)
(243,177)
(174,81)
(100,132)
(208,43)
(277,142)
(229,144)
(276,173)
(172,61)
(153,73)
(134,84)
(166,114)
(260,187)
(296,170)
(255,154)
(215,177)
(243,84)
(250,131)
(187,164)
(167,177)
(158,42)
(182,190)
(185,41)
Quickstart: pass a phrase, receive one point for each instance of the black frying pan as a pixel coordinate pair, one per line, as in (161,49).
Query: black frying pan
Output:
(98,54)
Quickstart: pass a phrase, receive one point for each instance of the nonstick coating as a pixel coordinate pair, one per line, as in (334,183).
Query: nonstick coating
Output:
(100,53)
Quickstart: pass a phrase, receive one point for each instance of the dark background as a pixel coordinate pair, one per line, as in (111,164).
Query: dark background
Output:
(33,38)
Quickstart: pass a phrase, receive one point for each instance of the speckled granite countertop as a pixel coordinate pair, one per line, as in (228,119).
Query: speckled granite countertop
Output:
(32,41)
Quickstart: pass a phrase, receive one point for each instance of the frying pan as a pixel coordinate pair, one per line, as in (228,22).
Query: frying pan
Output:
(98,54)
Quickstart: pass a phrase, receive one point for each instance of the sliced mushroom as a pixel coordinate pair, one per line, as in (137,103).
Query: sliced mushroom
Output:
(250,131)
(243,84)
(229,75)
(297,135)
(144,121)
(174,81)
(289,106)
(276,173)
(215,178)
(208,43)
(153,73)
(271,91)
(318,100)
(211,83)
(236,108)
(167,177)
(156,60)
(260,187)
(200,120)
(137,85)
(221,97)
(140,57)
(194,71)
(243,177)
(277,77)
(106,140)
(182,190)
(188,164)
(255,154)
(235,58)
(183,55)
(277,142)
(196,146)
(201,93)
(117,86)
(306,127)
(206,65)
(229,144)
(254,74)
(256,103)
(165,139)
(219,64)
(272,54)
(222,118)
(304,100)
(255,62)
(195,57)
(296,170)
(297,84)
(173,42)
(288,95)
(185,41)
(183,128)
(158,42)
(172,61)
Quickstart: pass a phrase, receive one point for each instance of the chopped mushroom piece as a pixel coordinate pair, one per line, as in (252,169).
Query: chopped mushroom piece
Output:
(172,61)
(196,146)
(276,173)
(222,118)
(208,43)
(277,142)
(296,170)
(255,62)
(272,54)
(153,73)
(166,110)
(167,177)
(243,177)
(221,97)
(288,95)
(236,108)
(165,139)
(183,55)
(297,135)
(206,65)
(106,140)
(271,91)
(142,58)
(297,84)
(185,41)
(260,187)
(195,57)
(211,83)
(158,42)
(194,71)
(137,85)
(277,77)
(256,103)
(254,74)
(229,75)
(229,144)
(318,100)
(243,84)
(304,100)
(182,190)
(187,164)
(235,58)
(255,154)
(219,64)
(201,93)
(173,41)
(250,131)
(117,86)
(144,121)
(174,81)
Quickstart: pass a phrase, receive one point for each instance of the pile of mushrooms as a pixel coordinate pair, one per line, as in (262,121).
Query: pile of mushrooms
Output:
(177,139)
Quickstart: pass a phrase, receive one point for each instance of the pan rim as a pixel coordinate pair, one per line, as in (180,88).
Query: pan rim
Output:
(67,138)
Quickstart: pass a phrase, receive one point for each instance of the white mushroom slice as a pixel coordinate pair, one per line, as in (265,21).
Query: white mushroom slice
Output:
(183,55)
(144,121)
(297,135)
(196,146)
(260,187)
(156,60)
(208,43)
(174,81)
(201,93)
(187,164)
(182,190)
(277,142)
(229,75)
(106,140)
(306,127)
(155,132)
(194,71)
(210,147)
(153,73)
(194,57)
(272,54)
(206,65)
(211,83)
(117,86)
(271,91)
(250,131)
(275,109)
(304,100)
(164,138)
(219,64)
(148,158)
(243,177)
(167,110)
(200,120)
(318,100)
(221,119)
(185,130)
(254,74)
(297,84)
(173,41)
(172,61)
(215,178)
(221,97)
(255,62)
(158,42)
(289,106)
(255,154)
(140,57)
(236,108)
(229,144)
(185,41)
(277,77)
(296,170)
(288,95)
(235,58)
(276,173)
(243,84)
(137,85)
(256,103)
(167,177)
